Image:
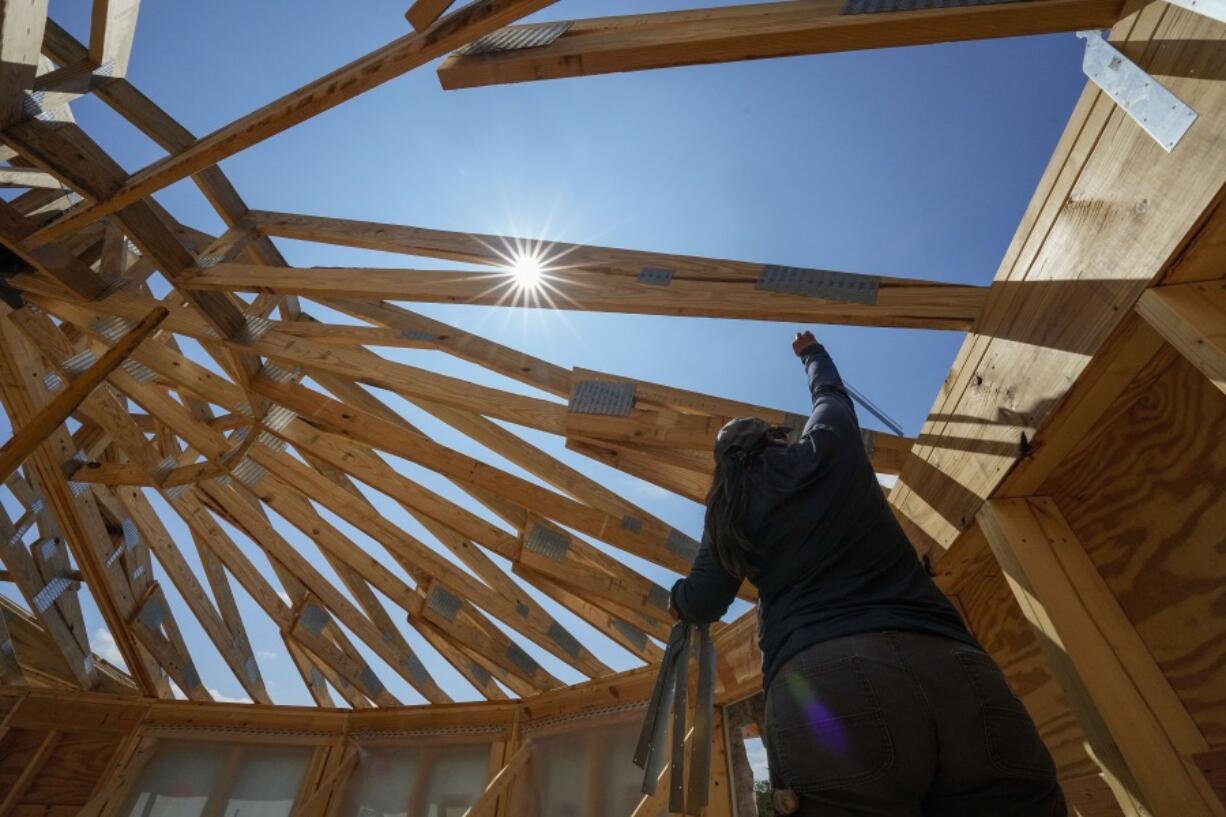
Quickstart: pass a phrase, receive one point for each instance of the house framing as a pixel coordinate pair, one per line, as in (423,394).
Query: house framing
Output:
(1068,489)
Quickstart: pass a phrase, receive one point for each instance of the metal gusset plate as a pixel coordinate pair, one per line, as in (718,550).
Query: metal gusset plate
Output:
(827,285)
(513,38)
(607,397)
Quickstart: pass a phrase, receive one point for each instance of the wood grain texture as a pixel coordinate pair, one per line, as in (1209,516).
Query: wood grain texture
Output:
(1111,215)
(692,37)
(1145,497)
(998,623)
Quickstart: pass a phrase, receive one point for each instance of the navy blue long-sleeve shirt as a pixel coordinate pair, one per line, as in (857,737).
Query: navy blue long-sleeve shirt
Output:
(835,561)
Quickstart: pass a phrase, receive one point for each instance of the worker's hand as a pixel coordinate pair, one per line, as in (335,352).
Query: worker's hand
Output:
(802,342)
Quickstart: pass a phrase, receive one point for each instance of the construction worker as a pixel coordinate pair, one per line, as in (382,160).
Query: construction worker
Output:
(878,700)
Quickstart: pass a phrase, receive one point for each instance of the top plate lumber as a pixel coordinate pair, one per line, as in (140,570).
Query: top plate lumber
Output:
(1112,213)
(693,37)
(374,69)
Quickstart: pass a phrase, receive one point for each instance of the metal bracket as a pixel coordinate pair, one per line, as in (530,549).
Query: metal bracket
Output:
(655,276)
(55,588)
(828,285)
(608,397)
(138,371)
(681,544)
(568,643)
(869,438)
(443,602)
(371,681)
(1159,112)
(480,673)
(313,618)
(513,38)
(416,669)
(631,633)
(547,542)
(521,659)
(659,597)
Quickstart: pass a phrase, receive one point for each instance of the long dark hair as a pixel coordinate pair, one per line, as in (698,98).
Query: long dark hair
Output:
(727,502)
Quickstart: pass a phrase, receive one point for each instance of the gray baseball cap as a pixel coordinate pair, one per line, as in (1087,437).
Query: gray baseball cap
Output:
(743,433)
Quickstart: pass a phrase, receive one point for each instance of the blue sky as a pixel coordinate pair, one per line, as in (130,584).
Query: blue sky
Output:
(912,162)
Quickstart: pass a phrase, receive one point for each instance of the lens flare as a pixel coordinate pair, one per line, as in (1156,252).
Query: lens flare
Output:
(528,268)
(823,725)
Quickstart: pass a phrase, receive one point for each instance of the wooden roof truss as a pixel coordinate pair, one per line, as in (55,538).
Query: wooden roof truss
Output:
(292,428)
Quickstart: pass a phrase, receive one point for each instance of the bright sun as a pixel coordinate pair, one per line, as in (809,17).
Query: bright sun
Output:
(528,269)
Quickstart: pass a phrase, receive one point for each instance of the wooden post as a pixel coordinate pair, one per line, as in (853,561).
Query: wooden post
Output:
(1100,660)
(32,434)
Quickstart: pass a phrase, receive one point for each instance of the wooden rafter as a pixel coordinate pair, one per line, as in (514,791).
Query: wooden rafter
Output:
(896,302)
(694,37)
(370,71)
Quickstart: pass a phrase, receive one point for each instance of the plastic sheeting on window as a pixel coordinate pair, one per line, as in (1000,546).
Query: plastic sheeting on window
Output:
(194,779)
(425,780)
(587,772)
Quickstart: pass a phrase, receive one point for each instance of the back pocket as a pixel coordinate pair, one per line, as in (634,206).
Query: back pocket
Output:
(1011,740)
(825,726)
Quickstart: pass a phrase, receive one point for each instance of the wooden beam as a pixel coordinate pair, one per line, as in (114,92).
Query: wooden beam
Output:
(28,177)
(21,37)
(23,572)
(386,63)
(645,41)
(112,29)
(159,126)
(235,652)
(69,153)
(897,302)
(422,14)
(1063,291)
(54,259)
(1070,606)
(77,513)
(341,502)
(31,434)
(1192,318)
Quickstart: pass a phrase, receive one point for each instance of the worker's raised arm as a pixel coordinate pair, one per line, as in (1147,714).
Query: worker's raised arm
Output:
(708,592)
(832,406)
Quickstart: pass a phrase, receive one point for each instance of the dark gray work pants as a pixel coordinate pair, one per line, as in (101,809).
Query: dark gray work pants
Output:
(898,724)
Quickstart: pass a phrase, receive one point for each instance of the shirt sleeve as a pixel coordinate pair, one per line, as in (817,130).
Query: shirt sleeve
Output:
(832,406)
(707,593)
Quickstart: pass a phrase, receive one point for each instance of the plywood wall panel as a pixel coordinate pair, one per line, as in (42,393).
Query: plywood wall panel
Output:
(72,771)
(997,622)
(1147,498)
